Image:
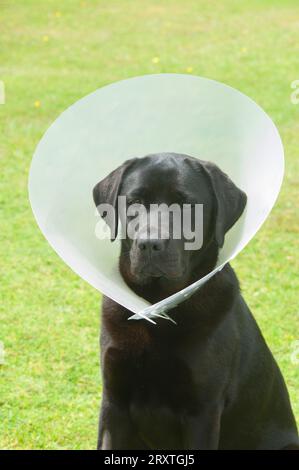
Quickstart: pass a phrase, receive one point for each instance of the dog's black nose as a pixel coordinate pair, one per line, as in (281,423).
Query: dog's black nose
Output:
(150,245)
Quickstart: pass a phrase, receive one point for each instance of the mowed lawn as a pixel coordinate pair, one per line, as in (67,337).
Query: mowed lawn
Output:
(53,53)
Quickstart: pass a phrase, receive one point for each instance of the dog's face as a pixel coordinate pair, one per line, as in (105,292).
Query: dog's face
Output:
(157,253)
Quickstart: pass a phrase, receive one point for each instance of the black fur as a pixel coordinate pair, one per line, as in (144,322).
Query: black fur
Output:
(209,382)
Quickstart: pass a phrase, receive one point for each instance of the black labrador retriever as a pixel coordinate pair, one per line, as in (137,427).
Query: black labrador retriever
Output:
(209,381)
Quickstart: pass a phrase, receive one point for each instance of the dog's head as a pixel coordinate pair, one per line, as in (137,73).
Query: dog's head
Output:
(160,249)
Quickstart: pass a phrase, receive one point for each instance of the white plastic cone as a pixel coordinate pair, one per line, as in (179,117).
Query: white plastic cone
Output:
(132,118)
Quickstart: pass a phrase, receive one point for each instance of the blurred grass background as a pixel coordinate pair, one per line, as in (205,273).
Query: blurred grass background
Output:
(53,53)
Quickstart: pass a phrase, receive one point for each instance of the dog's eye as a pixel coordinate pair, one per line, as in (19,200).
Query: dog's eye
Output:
(132,201)
(190,203)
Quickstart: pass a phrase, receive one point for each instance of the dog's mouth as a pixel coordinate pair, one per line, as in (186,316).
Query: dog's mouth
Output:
(148,272)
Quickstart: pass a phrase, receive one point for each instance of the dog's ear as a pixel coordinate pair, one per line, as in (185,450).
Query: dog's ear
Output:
(230,200)
(107,191)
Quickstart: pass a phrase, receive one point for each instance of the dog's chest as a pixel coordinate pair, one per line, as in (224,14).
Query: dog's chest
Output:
(162,394)
(160,385)
(156,373)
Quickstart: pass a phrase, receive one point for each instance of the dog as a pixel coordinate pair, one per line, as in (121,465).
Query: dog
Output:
(209,380)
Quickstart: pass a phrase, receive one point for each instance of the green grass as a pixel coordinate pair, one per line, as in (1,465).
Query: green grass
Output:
(57,52)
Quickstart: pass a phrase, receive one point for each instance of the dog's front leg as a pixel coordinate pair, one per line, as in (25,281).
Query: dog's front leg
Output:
(202,430)
(116,431)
